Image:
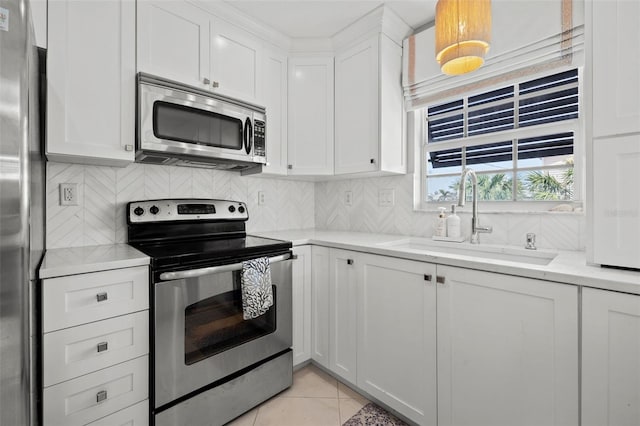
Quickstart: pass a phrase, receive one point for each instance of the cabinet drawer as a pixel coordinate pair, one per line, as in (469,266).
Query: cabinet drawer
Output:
(83,298)
(80,350)
(137,415)
(96,395)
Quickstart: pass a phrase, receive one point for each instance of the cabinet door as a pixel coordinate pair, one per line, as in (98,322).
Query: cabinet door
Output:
(356,109)
(507,350)
(320,305)
(616,67)
(274,93)
(616,201)
(310,121)
(343,294)
(235,61)
(397,335)
(610,354)
(173,41)
(301,304)
(91,82)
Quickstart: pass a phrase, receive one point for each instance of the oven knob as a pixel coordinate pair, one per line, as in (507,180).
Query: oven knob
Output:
(241,209)
(154,210)
(232,209)
(138,211)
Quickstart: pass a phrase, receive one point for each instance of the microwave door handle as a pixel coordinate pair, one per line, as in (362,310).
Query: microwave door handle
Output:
(248,135)
(192,273)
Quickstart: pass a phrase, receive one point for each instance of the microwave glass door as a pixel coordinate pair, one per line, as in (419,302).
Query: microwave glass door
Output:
(192,125)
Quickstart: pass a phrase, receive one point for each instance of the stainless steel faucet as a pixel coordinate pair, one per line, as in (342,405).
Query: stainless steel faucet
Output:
(475,223)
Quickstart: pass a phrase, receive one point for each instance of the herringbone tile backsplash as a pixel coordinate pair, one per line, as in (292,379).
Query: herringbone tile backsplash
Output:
(104,192)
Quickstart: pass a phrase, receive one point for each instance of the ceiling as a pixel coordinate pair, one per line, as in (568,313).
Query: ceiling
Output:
(314,18)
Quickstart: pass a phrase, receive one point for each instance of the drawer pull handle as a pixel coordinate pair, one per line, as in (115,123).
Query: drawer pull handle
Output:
(103,346)
(101,396)
(101,297)
(349,261)
(427,277)
(440,279)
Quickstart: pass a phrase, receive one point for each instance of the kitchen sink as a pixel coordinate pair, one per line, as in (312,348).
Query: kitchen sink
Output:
(486,251)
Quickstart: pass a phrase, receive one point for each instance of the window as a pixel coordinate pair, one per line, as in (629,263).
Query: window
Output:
(519,139)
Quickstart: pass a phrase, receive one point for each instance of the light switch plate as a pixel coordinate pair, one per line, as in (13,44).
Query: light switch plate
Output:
(348,198)
(386,197)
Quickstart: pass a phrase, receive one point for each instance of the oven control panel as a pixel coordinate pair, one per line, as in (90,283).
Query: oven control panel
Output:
(185,209)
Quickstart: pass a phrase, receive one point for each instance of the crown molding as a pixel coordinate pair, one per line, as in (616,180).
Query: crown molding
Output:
(379,20)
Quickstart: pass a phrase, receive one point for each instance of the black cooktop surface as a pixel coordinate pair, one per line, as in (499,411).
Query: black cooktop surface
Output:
(209,251)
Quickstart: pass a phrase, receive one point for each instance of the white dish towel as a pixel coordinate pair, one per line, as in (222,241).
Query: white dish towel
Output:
(255,281)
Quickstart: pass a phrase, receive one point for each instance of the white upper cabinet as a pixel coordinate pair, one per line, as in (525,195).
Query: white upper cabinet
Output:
(274,95)
(235,61)
(610,354)
(173,41)
(91,82)
(616,67)
(507,350)
(369,134)
(310,116)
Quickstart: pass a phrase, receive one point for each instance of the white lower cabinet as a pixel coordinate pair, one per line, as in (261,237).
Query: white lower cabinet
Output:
(610,358)
(396,334)
(136,415)
(320,305)
(301,297)
(507,350)
(343,296)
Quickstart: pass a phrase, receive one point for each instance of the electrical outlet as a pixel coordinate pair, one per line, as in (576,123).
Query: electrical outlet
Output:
(348,198)
(386,197)
(68,194)
(261,198)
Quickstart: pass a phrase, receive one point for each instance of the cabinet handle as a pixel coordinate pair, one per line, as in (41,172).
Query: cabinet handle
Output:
(290,166)
(101,297)
(349,261)
(103,346)
(206,81)
(427,277)
(373,161)
(101,396)
(215,84)
(439,279)
(128,148)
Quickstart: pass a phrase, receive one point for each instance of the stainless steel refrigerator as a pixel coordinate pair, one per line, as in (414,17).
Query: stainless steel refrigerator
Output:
(21,213)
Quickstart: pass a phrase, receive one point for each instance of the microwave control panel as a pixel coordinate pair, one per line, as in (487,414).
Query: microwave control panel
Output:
(259,138)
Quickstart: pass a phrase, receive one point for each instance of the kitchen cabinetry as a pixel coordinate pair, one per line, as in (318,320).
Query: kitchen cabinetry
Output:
(610,354)
(507,350)
(310,116)
(274,93)
(301,297)
(91,82)
(615,148)
(616,67)
(320,274)
(343,296)
(95,348)
(396,334)
(180,41)
(173,41)
(369,134)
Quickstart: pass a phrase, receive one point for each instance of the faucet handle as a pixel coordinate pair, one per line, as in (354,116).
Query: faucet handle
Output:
(484,229)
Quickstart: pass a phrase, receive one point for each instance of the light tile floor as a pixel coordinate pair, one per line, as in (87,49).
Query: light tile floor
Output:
(314,399)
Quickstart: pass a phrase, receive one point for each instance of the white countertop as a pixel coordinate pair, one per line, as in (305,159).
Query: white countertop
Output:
(568,266)
(79,260)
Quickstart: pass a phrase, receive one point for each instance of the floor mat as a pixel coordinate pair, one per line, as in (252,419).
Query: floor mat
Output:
(372,415)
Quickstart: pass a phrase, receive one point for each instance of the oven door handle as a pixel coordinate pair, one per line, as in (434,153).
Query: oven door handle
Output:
(192,273)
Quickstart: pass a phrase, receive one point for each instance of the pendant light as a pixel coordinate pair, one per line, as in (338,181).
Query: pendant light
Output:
(463,32)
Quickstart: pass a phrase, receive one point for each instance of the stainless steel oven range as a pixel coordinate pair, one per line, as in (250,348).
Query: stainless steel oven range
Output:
(209,365)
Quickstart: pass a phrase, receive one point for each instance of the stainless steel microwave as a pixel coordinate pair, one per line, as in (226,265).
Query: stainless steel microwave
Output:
(186,126)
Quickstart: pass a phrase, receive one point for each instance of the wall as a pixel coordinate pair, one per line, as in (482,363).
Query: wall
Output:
(562,231)
(104,191)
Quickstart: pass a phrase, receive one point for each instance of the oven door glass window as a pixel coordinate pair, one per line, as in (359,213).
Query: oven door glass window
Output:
(215,324)
(192,125)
